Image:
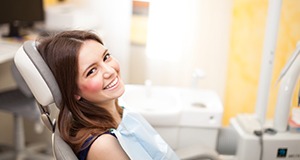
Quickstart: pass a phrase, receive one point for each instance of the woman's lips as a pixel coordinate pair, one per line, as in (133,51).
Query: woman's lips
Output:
(112,84)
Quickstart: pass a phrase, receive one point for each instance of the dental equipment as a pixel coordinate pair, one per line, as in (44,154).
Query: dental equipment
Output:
(267,59)
(259,139)
(290,77)
(272,141)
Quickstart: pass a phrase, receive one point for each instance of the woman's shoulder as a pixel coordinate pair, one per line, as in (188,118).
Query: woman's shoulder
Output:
(103,142)
(82,155)
(106,146)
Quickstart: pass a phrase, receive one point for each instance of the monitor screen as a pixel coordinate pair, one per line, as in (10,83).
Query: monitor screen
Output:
(20,13)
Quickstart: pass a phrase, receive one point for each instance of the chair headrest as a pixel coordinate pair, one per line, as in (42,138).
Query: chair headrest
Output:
(37,74)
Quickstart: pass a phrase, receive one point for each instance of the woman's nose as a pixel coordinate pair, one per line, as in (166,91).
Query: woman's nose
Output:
(107,71)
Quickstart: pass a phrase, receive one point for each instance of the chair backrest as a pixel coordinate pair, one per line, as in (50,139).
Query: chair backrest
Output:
(37,74)
(44,88)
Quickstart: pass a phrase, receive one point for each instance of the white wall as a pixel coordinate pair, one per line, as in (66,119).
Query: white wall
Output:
(188,35)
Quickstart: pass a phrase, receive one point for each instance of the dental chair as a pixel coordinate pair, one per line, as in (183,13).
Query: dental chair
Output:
(44,87)
(21,103)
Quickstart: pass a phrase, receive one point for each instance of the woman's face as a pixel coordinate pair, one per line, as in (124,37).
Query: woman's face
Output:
(99,78)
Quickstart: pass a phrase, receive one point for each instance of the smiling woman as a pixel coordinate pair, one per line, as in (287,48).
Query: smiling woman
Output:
(79,63)
(99,74)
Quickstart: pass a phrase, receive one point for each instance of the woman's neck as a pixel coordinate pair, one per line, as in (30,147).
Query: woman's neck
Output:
(111,107)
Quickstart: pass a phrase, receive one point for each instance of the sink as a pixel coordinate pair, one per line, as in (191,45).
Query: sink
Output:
(175,106)
(154,103)
(202,108)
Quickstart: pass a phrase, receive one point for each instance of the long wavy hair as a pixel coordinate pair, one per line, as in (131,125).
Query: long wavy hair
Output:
(78,119)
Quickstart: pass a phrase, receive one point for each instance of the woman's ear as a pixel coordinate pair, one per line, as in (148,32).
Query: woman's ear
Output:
(77,97)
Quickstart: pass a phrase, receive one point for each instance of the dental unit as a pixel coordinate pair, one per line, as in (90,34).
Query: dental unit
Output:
(260,139)
(271,140)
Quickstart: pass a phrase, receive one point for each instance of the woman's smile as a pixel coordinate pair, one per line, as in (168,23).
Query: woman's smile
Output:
(113,84)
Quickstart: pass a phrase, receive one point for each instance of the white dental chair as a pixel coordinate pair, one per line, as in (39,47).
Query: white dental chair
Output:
(45,90)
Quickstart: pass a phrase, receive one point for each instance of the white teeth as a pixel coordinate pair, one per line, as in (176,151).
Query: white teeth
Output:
(112,84)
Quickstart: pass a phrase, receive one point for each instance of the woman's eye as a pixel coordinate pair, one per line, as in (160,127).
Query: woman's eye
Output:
(106,57)
(91,72)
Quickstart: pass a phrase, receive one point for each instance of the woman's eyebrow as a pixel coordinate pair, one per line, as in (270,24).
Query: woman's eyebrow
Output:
(105,51)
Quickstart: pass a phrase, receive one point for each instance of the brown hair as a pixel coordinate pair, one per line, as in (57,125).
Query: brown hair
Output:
(78,119)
